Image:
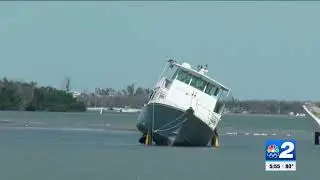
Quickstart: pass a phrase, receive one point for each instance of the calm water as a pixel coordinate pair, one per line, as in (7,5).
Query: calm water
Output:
(87,146)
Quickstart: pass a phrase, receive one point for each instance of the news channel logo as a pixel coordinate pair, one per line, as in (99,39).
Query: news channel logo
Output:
(280,150)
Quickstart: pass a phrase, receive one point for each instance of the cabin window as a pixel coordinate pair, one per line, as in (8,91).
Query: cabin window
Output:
(171,73)
(175,74)
(184,76)
(198,83)
(212,90)
(216,92)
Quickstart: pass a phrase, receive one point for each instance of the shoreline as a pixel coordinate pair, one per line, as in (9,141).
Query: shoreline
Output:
(250,114)
(135,110)
(109,109)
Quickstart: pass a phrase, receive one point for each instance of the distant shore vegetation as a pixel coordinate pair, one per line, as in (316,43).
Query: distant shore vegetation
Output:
(28,96)
(131,96)
(136,97)
(264,106)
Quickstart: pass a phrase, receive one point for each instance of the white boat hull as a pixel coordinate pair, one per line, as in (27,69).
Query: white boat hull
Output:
(308,108)
(172,126)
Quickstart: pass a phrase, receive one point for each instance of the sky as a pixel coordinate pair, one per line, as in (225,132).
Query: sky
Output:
(261,50)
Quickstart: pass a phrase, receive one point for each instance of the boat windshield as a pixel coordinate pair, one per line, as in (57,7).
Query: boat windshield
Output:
(212,90)
(184,76)
(198,83)
(194,81)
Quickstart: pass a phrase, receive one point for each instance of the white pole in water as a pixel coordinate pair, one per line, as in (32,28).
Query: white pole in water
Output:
(101,111)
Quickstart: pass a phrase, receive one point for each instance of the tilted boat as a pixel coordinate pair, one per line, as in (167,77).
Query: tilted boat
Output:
(313,112)
(184,108)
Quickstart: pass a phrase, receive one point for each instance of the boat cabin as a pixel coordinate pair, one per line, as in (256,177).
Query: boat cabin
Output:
(185,87)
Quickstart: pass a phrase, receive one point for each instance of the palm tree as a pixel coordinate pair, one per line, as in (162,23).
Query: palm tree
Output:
(139,92)
(130,90)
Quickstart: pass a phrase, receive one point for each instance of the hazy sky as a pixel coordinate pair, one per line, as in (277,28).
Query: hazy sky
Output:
(268,50)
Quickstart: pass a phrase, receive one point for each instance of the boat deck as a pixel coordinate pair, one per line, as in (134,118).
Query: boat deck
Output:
(314,109)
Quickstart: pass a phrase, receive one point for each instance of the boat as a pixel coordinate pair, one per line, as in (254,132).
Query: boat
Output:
(313,112)
(127,109)
(184,107)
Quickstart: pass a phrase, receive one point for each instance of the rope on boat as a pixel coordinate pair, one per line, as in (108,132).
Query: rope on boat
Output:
(169,123)
(152,128)
(172,126)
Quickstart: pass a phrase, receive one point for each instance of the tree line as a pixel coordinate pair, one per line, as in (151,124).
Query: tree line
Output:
(136,97)
(17,95)
(132,96)
(264,106)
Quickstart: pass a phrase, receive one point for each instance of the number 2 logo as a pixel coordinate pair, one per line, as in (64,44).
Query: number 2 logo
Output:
(288,152)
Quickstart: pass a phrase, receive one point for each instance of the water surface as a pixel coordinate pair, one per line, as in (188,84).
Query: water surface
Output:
(86,146)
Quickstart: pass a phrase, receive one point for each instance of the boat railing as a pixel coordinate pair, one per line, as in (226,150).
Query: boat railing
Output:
(210,114)
(164,83)
(219,107)
(200,110)
(159,93)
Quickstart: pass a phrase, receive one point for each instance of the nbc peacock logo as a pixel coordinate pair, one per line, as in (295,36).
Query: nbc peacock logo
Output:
(273,151)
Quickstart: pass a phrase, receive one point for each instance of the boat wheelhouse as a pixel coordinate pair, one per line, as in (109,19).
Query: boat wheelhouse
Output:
(181,88)
(313,112)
